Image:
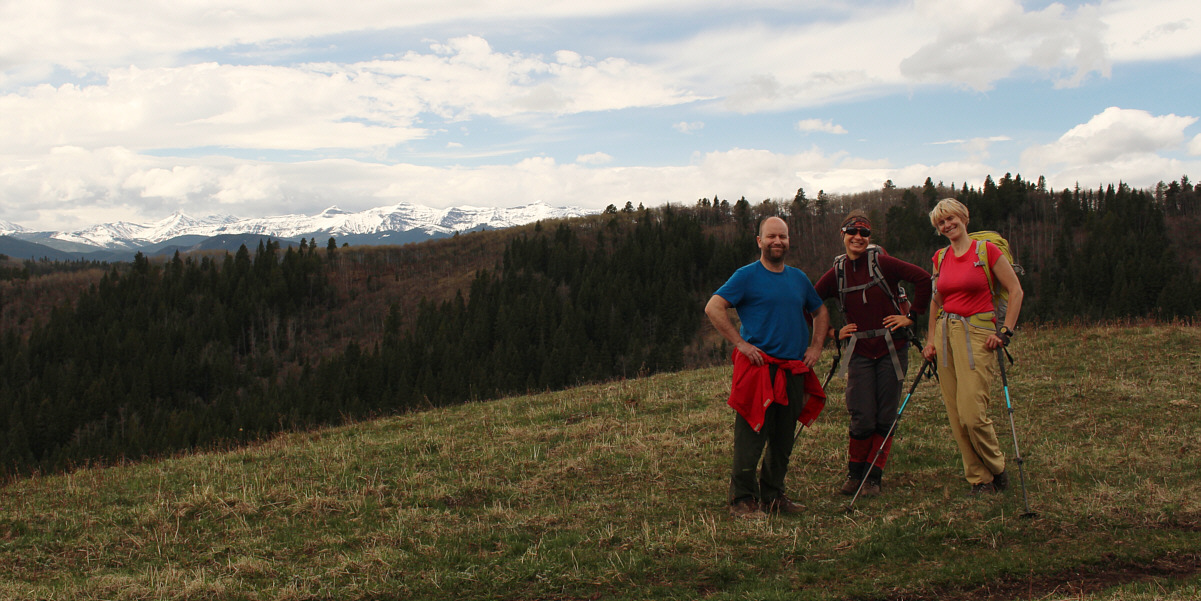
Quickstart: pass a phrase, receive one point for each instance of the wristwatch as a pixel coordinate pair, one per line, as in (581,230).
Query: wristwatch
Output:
(1006,333)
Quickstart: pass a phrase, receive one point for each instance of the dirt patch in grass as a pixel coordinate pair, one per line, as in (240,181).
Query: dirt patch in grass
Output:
(1073,583)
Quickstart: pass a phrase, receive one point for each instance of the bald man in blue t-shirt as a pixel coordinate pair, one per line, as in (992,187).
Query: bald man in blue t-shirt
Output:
(771,300)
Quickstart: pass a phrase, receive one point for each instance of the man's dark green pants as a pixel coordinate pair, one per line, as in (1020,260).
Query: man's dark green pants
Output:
(773,442)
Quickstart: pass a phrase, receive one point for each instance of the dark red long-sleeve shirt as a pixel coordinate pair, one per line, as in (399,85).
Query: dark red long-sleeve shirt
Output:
(870,316)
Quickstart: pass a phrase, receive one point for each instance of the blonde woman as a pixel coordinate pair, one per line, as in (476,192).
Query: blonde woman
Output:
(965,337)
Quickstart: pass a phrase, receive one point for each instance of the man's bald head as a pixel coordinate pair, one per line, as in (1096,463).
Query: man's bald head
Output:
(773,243)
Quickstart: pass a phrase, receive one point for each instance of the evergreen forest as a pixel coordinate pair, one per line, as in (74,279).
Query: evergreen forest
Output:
(107,363)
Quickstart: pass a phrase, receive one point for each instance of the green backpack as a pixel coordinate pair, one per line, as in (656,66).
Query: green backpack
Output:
(1000,296)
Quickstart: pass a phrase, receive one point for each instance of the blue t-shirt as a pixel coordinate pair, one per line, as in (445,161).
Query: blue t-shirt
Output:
(771,307)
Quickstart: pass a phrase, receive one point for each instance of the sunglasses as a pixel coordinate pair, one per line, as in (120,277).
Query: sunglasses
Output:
(862,231)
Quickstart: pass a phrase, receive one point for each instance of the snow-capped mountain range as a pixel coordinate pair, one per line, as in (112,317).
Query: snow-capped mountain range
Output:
(402,217)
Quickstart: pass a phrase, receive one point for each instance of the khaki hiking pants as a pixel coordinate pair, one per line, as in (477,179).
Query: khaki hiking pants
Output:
(965,393)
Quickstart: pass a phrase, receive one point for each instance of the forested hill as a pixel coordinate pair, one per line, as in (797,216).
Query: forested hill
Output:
(100,363)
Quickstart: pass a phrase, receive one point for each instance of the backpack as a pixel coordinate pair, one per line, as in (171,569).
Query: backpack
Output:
(1000,296)
(899,302)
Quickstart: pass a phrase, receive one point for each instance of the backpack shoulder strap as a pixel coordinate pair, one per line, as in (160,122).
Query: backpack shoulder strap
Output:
(982,254)
(938,259)
(840,279)
(873,267)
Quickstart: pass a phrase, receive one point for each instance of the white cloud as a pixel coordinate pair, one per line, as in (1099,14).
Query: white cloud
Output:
(363,105)
(972,44)
(1162,30)
(977,42)
(1118,144)
(808,125)
(98,37)
(1112,135)
(1194,147)
(596,158)
(977,149)
(686,127)
(1142,170)
(71,188)
(211,105)
(758,67)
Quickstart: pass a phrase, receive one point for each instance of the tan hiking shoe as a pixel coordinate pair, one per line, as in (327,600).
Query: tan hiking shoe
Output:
(783,504)
(747,509)
(872,487)
(850,486)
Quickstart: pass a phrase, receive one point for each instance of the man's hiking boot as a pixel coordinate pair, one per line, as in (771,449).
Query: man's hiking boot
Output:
(783,504)
(872,487)
(1001,481)
(983,489)
(747,509)
(850,486)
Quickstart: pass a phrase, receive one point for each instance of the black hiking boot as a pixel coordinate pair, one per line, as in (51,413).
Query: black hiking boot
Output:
(983,489)
(1001,481)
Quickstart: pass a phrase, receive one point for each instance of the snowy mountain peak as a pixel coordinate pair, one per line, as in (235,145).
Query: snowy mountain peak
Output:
(10,228)
(333,221)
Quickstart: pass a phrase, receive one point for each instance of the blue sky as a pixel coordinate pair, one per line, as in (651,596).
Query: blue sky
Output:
(128,111)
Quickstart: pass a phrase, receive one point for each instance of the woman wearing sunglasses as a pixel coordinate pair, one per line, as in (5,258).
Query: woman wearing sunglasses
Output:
(876,331)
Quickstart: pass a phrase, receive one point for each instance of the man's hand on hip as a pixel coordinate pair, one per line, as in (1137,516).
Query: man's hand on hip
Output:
(812,355)
(752,352)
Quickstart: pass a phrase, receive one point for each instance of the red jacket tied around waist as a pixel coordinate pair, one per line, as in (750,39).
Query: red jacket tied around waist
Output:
(753,389)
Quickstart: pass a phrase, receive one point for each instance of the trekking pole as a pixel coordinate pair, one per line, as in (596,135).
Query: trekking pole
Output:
(926,364)
(797,436)
(1017,454)
(834,365)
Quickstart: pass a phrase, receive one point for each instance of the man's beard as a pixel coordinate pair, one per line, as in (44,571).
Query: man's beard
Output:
(775,255)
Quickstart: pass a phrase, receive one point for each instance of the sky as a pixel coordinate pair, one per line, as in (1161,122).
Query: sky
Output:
(135,110)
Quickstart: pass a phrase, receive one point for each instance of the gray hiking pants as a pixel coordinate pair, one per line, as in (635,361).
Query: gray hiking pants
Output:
(874,393)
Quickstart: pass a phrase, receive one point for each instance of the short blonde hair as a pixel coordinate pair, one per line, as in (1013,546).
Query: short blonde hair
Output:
(947,207)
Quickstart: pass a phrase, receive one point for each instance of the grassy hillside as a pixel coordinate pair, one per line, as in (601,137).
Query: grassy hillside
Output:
(616,491)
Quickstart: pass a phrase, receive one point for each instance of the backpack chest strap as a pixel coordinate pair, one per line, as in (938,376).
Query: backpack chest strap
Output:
(860,287)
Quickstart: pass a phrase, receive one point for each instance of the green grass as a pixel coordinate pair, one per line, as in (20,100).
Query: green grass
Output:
(617,491)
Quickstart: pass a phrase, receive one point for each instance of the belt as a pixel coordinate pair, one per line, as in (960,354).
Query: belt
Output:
(982,321)
(892,351)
